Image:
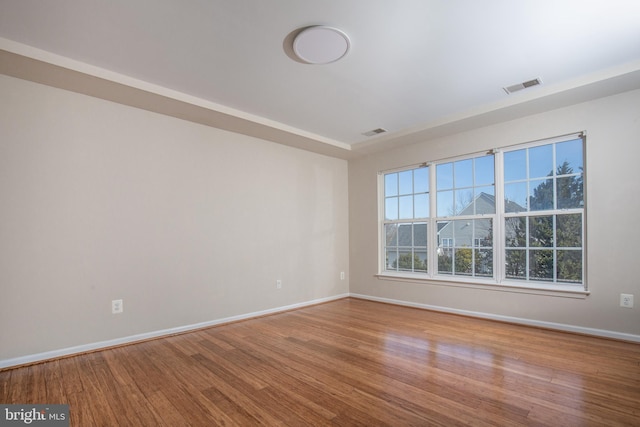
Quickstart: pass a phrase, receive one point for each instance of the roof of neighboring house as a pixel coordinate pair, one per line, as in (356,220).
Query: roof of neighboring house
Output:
(410,234)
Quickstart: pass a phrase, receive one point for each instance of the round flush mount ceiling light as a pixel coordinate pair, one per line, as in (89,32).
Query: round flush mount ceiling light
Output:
(320,44)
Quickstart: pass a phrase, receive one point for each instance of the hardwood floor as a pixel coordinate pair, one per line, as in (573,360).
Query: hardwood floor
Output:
(349,362)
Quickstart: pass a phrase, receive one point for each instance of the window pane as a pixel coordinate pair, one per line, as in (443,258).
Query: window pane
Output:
(484,200)
(463,261)
(516,232)
(391,184)
(444,176)
(445,264)
(484,170)
(391,208)
(445,203)
(515,165)
(515,197)
(541,161)
(406,207)
(570,152)
(569,231)
(462,233)
(569,192)
(421,180)
(541,265)
(464,202)
(516,264)
(463,173)
(420,234)
(484,262)
(483,232)
(541,231)
(445,231)
(391,234)
(541,195)
(392,259)
(445,242)
(405,235)
(405,260)
(569,266)
(420,260)
(421,205)
(405,181)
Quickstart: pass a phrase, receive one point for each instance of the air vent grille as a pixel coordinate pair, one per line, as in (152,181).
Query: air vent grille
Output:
(374,132)
(523,85)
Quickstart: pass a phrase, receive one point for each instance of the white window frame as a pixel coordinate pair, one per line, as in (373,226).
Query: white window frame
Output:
(457,217)
(414,220)
(499,246)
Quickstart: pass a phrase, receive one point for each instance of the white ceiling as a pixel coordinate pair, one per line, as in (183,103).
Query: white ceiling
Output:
(418,68)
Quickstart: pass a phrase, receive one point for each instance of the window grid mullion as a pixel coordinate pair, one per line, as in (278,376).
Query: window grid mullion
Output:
(499,253)
(554,219)
(432,237)
(527,245)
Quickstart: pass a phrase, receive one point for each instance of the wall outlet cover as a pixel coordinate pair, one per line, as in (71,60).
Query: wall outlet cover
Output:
(117,306)
(626,300)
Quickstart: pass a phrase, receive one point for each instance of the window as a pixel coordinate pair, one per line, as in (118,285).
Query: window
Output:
(465,212)
(406,208)
(511,217)
(544,212)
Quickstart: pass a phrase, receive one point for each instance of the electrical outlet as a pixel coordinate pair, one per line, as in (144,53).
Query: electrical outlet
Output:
(626,300)
(342,275)
(278,284)
(116,306)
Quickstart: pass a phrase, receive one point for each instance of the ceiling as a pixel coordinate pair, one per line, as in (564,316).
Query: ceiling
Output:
(417,68)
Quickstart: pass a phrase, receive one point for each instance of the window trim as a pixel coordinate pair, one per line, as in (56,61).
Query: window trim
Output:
(499,281)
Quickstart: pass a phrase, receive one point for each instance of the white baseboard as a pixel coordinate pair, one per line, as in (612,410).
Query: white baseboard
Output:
(48,355)
(528,322)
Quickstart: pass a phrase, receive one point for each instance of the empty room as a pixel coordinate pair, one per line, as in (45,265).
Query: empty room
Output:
(307,213)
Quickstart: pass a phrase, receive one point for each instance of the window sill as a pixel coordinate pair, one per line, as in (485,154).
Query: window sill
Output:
(563,291)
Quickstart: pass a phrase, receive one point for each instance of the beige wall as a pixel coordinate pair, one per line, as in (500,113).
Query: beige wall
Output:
(185,223)
(613,190)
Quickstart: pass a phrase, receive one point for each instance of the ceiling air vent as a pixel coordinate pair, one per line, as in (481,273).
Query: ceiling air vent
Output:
(521,86)
(374,132)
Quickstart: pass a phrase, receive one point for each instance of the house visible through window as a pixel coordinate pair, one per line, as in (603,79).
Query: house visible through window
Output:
(512,216)
(465,213)
(406,207)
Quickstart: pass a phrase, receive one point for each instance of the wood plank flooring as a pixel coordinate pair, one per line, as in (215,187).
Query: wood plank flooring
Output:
(348,363)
